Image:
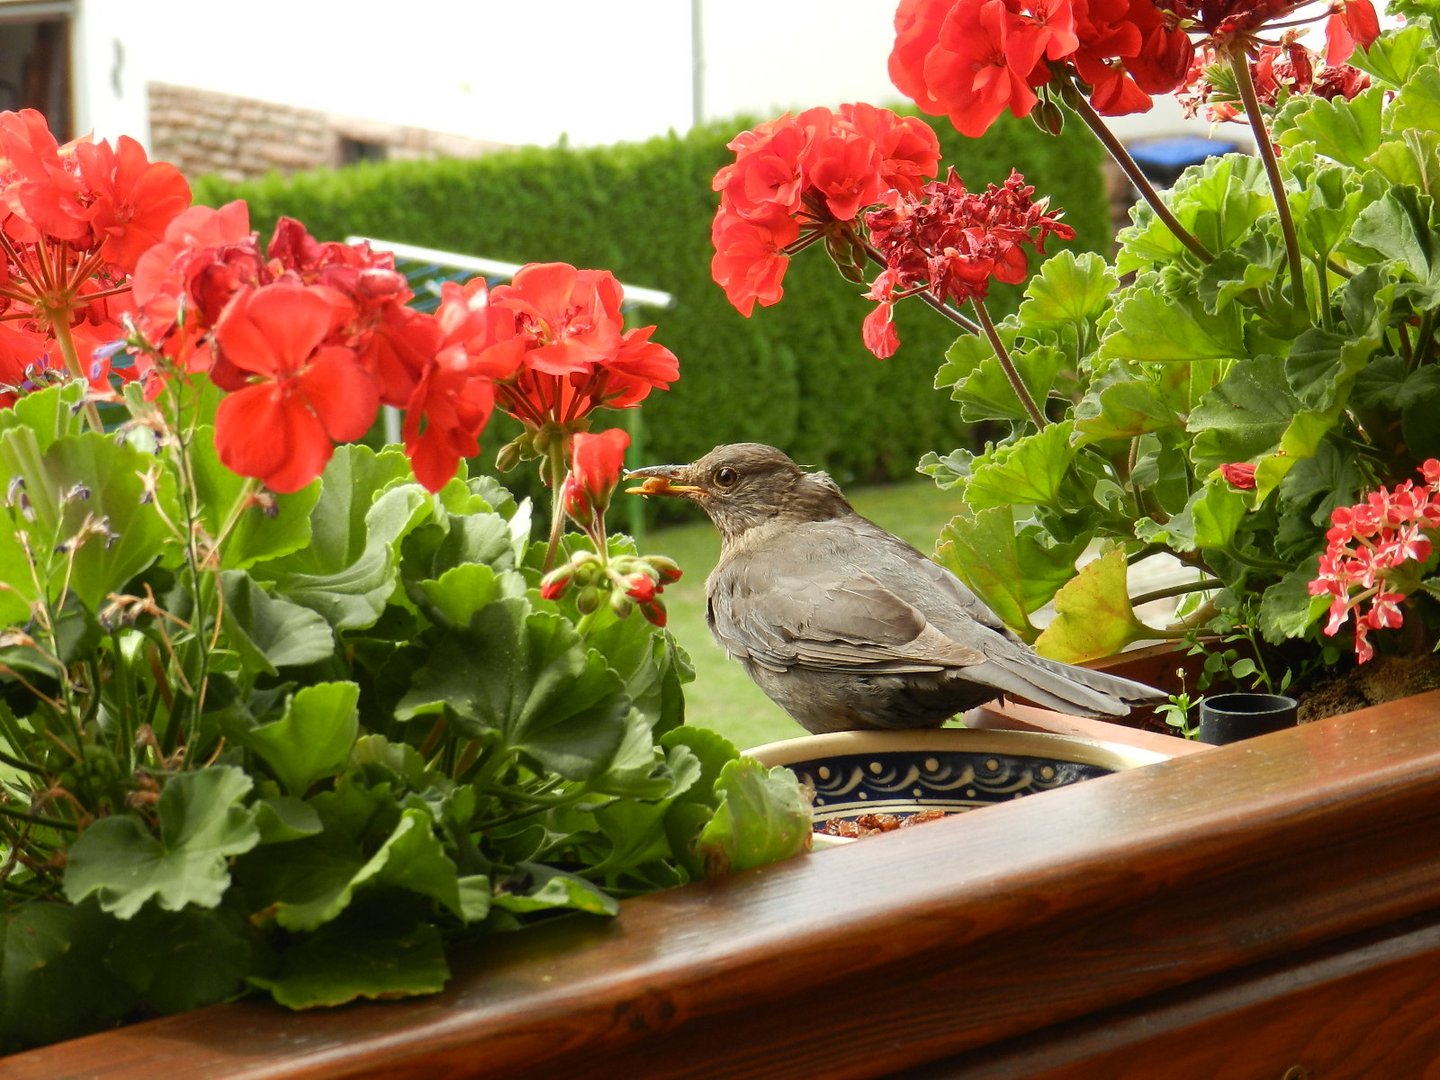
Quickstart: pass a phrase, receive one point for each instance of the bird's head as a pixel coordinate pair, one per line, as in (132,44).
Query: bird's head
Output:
(743,485)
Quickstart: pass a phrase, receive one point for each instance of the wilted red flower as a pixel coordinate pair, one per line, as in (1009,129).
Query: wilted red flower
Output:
(951,243)
(295,396)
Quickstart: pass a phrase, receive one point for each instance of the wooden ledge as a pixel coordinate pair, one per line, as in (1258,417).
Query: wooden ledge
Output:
(901,949)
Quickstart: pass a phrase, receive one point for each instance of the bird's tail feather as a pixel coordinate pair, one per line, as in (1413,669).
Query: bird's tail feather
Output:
(1063,687)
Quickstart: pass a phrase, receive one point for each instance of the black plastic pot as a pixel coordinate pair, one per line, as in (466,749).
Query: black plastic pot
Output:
(1227,718)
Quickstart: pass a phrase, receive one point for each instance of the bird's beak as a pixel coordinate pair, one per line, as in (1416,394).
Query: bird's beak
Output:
(660,480)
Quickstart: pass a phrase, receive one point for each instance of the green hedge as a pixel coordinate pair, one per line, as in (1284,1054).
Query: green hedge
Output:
(796,375)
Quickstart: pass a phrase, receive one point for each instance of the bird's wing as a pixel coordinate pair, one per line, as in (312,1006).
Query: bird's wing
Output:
(826,620)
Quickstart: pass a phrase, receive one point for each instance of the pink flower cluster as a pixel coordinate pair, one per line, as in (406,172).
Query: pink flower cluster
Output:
(1367,544)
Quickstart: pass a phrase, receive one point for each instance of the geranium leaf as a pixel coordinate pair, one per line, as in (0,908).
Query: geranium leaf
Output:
(1218,201)
(1395,56)
(308,883)
(528,677)
(1418,107)
(538,887)
(763,817)
(1411,161)
(202,822)
(87,491)
(1069,291)
(1345,131)
(51,981)
(1030,471)
(270,633)
(379,952)
(50,413)
(284,817)
(1149,325)
(348,570)
(257,533)
(180,960)
(1121,404)
(1398,227)
(1093,614)
(1011,571)
(1287,609)
(314,737)
(1244,416)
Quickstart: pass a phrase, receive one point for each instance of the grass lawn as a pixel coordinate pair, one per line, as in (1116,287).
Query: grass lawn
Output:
(722,697)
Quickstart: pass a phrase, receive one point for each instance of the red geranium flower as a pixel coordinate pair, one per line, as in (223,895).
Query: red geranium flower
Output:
(596,463)
(134,200)
(297,396)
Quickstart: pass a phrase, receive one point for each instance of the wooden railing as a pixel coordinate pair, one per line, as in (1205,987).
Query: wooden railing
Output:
(1247,911)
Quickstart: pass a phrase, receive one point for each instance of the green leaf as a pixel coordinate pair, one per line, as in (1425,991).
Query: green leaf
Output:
(1013,572)
(114,523)
(982,389)
(1345,131)
(1323,364)
(529,677)
(348,570)
(258,533)
(1093,614)
(1244,416)
(1395,56)
(267,632)
(314,737)
(284,817)
(1398,227)
(1122,404)
(1169,329)
(377,953)
(463,590)
(538,887)
(1030,471)
(1287,610)
(1411,161)
(202,822)
(1069,290)
(1219,202)
(181,960)
(54,983)
(1217,511)
(50,414)
(763,817)
(308,883)
(1417,107)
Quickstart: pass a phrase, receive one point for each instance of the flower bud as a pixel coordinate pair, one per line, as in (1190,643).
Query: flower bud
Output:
(556,583)
(621,604)
(508,456)
(587,600)
(639,587)
(654,612)
(576,501)
(666,568)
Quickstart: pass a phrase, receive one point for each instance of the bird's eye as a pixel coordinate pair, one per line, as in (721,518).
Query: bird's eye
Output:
(726,477)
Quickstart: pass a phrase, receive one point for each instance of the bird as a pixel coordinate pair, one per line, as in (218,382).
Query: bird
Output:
(846,626)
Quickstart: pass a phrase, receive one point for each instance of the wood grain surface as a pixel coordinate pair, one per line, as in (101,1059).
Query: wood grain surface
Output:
(1082,913)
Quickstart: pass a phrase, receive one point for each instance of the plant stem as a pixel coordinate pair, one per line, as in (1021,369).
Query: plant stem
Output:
(60,327)
(1240,66)
(1177,590)
(1132,170)
(555,465)
(1022,393)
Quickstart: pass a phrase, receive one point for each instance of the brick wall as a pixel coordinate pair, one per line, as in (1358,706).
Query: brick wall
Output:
(238,138)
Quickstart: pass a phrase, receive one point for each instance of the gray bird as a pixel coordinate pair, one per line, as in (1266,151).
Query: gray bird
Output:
(845,626)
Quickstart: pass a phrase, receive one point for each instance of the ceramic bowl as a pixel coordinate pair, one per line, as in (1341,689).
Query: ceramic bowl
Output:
(950,770)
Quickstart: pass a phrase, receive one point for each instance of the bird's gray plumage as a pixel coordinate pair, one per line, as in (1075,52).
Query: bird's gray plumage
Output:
(846,626)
